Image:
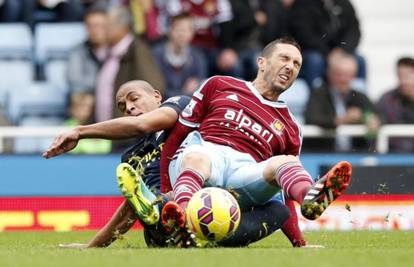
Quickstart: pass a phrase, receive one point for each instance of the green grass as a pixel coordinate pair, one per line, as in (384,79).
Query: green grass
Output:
(39,249)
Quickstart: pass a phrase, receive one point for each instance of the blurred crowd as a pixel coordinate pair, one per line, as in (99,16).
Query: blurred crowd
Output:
(176,44)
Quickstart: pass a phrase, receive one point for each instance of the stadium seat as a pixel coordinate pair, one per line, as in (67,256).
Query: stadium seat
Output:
(35,145)
(360,85)
(16,41)
(296,98)
(54,40)
(39,99)
(55,73)
(14,74)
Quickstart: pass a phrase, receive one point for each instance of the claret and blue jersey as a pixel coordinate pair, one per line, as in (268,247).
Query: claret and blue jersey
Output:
(232,112)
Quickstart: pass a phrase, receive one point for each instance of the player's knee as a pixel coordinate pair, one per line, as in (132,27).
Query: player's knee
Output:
(274,164)
(197,161)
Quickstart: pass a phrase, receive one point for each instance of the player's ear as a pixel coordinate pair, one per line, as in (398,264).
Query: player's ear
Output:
(158,96)
(261,63)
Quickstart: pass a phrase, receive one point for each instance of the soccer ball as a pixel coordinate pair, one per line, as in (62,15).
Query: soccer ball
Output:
(213,214)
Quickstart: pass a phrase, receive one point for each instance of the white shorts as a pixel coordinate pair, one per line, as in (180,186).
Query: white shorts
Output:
(230,169)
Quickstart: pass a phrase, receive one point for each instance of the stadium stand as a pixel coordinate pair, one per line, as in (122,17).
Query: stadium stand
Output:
(54,40)
(16,41)
(14,74)
(51,41)
(16,46)
(39,99)
(386,36)
(55,74)
(30,145)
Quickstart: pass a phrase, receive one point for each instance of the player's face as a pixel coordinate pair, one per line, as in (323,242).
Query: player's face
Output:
(134,101)
(282,67)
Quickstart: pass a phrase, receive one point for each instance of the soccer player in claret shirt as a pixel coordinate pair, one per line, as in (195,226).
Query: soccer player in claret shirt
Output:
(237,135)
(146,118)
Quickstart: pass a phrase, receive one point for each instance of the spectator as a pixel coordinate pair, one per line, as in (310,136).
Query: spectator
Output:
(212,24)
(129,59)
(81,113)
(52,10)
(271,16)
(254,24)
(335,103)
(86,58)
(10,10)
(397,105)
(140,9)
(239,42)
(324,28)
(183,66)
(151,18)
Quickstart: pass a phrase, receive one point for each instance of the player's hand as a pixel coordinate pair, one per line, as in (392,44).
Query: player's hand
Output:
(74,245)
(63,143)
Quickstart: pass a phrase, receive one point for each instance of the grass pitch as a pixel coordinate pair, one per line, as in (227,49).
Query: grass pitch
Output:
(39,249)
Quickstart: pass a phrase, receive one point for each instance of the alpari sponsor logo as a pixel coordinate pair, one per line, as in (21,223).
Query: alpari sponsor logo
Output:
(245,122)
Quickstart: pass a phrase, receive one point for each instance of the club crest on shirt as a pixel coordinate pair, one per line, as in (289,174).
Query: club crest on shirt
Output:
(278,127)
(188,111)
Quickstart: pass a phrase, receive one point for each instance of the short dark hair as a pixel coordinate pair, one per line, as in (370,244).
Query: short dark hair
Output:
(97,8)
(180,16)
(406,61)
(269,48)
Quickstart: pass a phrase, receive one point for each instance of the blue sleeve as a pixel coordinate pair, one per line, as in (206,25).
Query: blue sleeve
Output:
(178,103)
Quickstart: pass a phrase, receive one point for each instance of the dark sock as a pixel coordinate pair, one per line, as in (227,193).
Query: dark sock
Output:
(156,235)
(258,223)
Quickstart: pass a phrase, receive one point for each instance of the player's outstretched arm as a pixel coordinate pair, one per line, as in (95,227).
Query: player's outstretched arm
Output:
(122,220)
(131,126)
(63,143)
(119,128)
